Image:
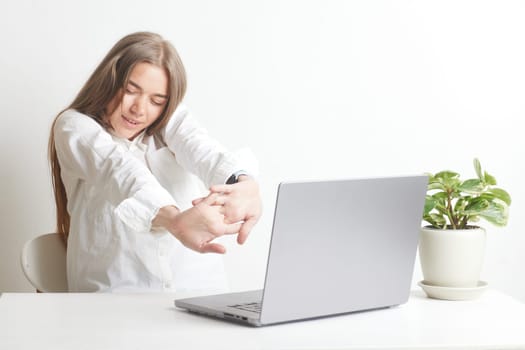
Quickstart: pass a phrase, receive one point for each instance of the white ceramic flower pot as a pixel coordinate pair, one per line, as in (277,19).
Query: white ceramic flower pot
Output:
(452,258)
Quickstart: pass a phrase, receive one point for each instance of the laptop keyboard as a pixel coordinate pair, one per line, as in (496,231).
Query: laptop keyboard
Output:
(251,307)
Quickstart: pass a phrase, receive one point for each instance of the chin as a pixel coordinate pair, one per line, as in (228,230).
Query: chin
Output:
(122,135)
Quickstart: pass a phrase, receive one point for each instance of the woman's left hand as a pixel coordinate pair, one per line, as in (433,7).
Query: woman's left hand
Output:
(241,202)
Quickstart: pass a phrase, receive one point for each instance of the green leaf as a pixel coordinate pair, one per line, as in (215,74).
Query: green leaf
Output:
(435,220)
(476,206)
(460,204)
(490,180)
(430,204)
(472,186)
(446,175)
(501,194)
(445,181)
(477,167)
(497,214)
(440,197)
(435,186)
(473,218)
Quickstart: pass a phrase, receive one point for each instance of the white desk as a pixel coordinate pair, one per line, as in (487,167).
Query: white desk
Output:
(140,321)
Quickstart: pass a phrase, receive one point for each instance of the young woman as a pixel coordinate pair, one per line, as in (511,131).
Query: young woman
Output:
(124,157)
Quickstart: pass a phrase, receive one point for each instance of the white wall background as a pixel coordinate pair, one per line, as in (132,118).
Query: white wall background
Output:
(318,89)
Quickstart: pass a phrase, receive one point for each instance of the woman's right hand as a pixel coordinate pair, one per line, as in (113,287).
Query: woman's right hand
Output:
(197,226)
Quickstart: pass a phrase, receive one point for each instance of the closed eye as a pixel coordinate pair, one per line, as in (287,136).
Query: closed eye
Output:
(157,103)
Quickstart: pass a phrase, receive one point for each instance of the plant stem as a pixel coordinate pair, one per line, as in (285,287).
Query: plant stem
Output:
(464,222)
(449,209)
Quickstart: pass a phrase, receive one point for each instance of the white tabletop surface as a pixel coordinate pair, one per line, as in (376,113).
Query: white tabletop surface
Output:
(150,321)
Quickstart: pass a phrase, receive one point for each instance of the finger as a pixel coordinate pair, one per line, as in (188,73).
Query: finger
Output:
(221,188)
(197,201)
(222,210)
(216,214)
(228,220)
(212,197)
(232,228)
(245,230)
(213,248)
(219,200)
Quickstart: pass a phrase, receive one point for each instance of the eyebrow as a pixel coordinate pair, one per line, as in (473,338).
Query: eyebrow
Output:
(131,82)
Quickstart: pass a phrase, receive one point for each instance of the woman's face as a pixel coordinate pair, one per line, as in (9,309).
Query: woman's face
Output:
(139,103)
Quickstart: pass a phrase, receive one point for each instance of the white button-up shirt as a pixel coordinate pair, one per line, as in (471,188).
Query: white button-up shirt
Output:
(115,188)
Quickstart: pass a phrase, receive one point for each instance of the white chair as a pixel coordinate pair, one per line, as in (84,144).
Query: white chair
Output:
(43,261)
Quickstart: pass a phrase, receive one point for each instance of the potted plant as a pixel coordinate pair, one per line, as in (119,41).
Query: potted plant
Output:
(452,247)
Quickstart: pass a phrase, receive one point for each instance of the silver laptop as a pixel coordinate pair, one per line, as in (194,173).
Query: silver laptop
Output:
(336,247)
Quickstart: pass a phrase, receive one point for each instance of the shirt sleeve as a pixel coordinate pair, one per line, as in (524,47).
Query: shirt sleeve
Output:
(202,155)
(88,153)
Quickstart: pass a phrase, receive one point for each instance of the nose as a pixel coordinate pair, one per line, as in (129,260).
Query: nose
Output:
(139,106)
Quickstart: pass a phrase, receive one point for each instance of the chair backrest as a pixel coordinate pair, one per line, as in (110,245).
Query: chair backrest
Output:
(43,261)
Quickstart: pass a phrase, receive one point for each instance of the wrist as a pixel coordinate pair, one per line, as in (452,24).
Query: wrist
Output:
(243,177)
(165,217)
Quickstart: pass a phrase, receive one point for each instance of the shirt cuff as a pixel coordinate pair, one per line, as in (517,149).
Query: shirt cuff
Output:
(139,211)
(241,162)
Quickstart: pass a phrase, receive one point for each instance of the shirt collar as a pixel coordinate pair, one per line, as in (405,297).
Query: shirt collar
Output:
(136,142)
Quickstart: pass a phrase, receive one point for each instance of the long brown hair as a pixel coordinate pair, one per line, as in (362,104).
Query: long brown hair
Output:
(105,83)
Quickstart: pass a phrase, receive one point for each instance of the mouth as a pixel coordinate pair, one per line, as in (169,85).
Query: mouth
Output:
(130,121)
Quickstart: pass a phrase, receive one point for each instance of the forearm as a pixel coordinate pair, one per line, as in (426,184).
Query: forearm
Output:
(201,154)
